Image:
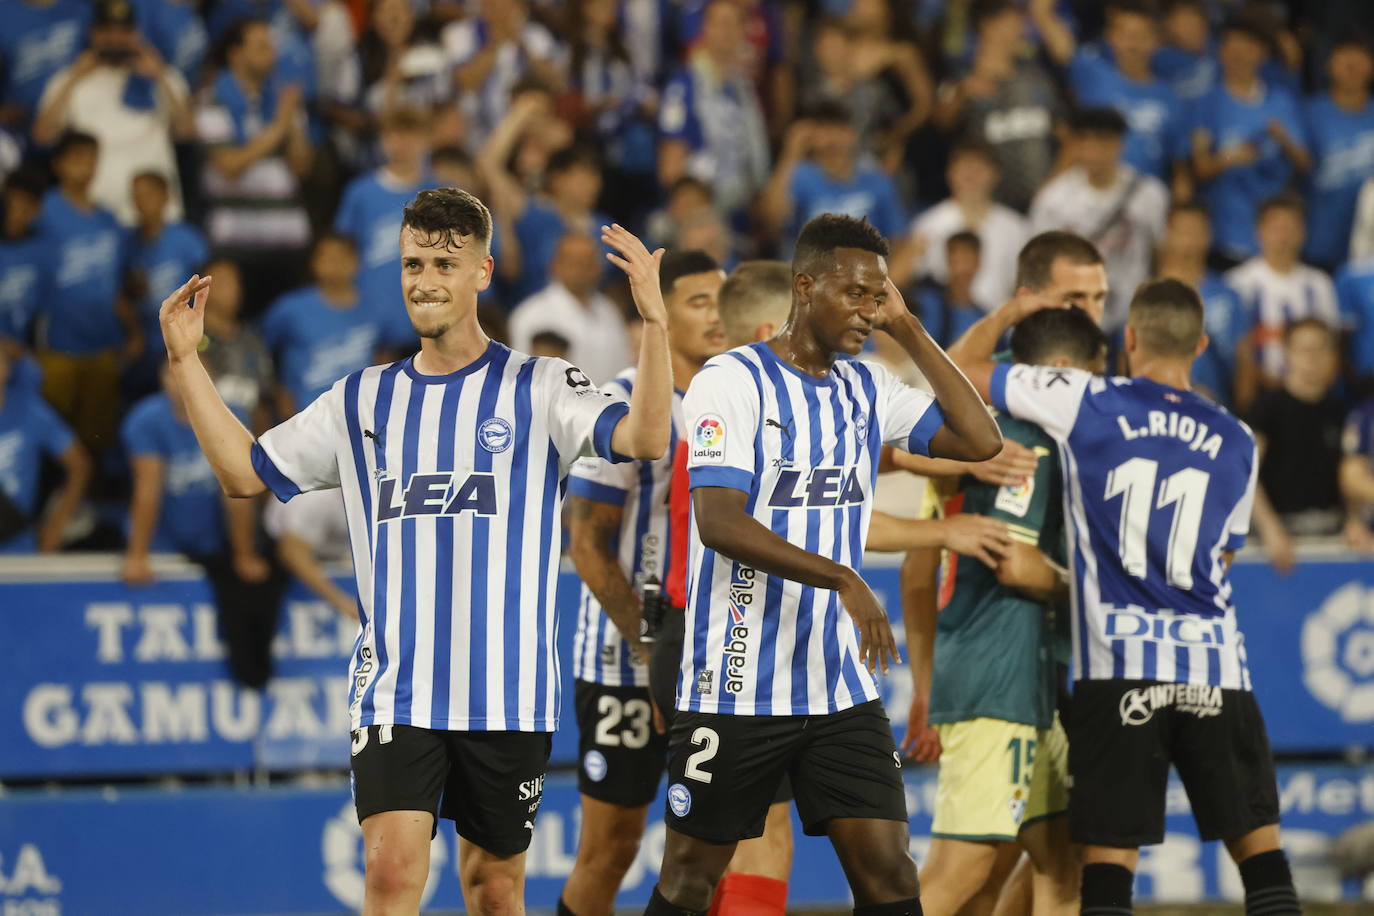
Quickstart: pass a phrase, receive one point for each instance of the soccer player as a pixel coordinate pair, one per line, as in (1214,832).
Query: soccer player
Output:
(620,543)
(1160,484)
(992,696)
(785,444)
(452,464)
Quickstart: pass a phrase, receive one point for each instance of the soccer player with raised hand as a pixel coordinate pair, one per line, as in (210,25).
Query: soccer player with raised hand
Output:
(452,464)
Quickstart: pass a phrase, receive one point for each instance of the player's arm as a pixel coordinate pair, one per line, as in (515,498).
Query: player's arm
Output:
(1030,572)
(969,433)
(725,525)
(645,431)
(972,352)
(1278,543)
(920,601)
(1010,467)
(983,538)
(224,440)
(593,529)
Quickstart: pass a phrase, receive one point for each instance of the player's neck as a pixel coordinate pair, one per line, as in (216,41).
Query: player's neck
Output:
(458,348)
(799,348)
(1175,373)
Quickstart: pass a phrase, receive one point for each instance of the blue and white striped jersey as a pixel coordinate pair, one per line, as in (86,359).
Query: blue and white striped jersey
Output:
(1158,484)
(806,452)
(641,488)
(453,485)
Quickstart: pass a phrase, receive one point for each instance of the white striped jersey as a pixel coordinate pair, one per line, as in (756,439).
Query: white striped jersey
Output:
(806,452)
(600,655)
(453,485)
(1158,484)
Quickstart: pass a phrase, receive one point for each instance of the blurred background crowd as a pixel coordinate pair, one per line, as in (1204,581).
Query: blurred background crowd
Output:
(273,143)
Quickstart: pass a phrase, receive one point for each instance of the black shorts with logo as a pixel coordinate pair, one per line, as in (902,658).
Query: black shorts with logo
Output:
(1123,734)
(724,770)
(488,783)
(621,758)
(664,665)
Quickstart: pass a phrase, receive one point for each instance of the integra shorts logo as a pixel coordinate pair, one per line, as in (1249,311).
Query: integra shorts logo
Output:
(679,799)
(495,435)
(708,440)
(1138,704)
(737,633)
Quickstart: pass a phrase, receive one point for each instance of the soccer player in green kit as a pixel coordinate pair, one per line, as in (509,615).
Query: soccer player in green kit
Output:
(1002,755)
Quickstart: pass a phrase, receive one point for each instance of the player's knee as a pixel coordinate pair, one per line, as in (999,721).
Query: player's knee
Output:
(395,873)
(887,875)
(613,854)
(493,893)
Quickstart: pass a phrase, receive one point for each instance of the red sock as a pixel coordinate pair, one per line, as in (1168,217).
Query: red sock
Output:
(749,895)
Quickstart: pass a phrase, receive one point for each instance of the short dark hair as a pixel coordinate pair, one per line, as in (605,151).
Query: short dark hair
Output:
(679,264)
(829,111)
(1286,200)
(690,183)
(972,145)
(964,237)
(442,216)
(1048,333)
(756,292)
(1132,8)
(824,234)
(1167,316)
(27,179)
(338,238)
(981,11)
(1252,24)
(73,139)
(1101,120)
(155,177)
(1194,207)
(1039,254)
(451,155)
(571,157)
(234,36)
(1358,40)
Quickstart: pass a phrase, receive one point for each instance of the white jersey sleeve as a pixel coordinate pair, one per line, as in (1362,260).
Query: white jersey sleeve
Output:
(581,417)
(1044,395)
(909,416)
(302,453)
(599,479)
(1238,525)
(721,408)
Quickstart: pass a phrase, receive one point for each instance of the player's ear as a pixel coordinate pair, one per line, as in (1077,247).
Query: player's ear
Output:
(802,284)
(1129,340)
(488,267)
(1202,342)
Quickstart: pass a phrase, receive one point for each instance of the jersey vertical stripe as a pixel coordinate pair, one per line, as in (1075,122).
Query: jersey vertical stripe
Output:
(644,547)
(453,487)
(804,450)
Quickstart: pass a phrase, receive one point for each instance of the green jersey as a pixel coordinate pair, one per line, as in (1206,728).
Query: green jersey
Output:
(995,648)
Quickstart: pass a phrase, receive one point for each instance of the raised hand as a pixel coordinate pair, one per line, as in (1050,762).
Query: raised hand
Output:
(877,644)
(893,307)
(641,266)
(182,317)
(977,536)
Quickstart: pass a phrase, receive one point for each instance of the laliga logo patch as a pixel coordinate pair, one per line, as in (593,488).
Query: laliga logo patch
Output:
(1338,653)
(708,440)
(595,765)
(495,435)
(679,799)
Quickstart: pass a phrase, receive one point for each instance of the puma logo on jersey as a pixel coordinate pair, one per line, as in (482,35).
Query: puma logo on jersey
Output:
(822,488)
(437,494)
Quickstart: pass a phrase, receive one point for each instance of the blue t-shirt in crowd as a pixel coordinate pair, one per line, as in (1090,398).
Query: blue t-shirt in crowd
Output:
(90,251)
(1158,126)
(24,269)
(35,43)
(1226,321)
(944,320)
(538,228)
(1355,294)
(191,517)
(316,344)
(176,30)
(165,262)
(868,192)
(370,214)
(29,429)
(295,51)
(1190,75)
(1342,147)
(1233,197)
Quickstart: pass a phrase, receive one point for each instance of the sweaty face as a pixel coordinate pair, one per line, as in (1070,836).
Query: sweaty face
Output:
(441,281)
(1083,285)
(846,299)
(694,328)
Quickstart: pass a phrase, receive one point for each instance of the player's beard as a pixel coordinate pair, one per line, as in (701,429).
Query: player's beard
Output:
(432,332)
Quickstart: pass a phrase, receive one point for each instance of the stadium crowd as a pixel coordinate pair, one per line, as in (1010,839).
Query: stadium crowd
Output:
(273,143)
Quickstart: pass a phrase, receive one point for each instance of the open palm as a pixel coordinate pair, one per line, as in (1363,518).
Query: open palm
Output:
(182,317)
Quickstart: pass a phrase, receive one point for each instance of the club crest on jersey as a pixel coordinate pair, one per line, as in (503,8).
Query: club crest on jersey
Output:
(495,435)
(826,487)
(449,493)
(708,440)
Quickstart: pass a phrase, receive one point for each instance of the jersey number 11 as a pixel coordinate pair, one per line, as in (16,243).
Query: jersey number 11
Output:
(1185,490)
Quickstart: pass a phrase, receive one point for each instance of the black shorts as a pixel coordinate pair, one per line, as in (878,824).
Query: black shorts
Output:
(488,783)
(724,771)
(621,757)
(1123,734)
(664,665)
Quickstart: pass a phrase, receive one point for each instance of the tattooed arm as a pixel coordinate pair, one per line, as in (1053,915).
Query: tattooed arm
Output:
(594,530)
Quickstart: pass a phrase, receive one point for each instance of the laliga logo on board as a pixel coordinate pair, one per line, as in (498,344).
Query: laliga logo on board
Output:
(1338,652)
(341,848)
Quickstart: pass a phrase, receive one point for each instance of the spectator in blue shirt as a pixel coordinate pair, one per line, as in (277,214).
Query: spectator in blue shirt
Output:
(323,332)
(29,430)
(819,171)
(1230,349)
(86,322)
(1340,129)
(1247,140)
(164,255)
(1187,59)
(572,184)
(39,38)
(370,215)
(947,309)
(23,257)
(176,29)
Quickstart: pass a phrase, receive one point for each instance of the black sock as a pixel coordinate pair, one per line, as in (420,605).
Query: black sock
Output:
(658,906)
(1269,885)
(911,907)
(1106,890)
(563,908)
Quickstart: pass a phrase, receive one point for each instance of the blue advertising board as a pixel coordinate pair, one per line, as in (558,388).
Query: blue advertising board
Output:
(105,679)
(291,850)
